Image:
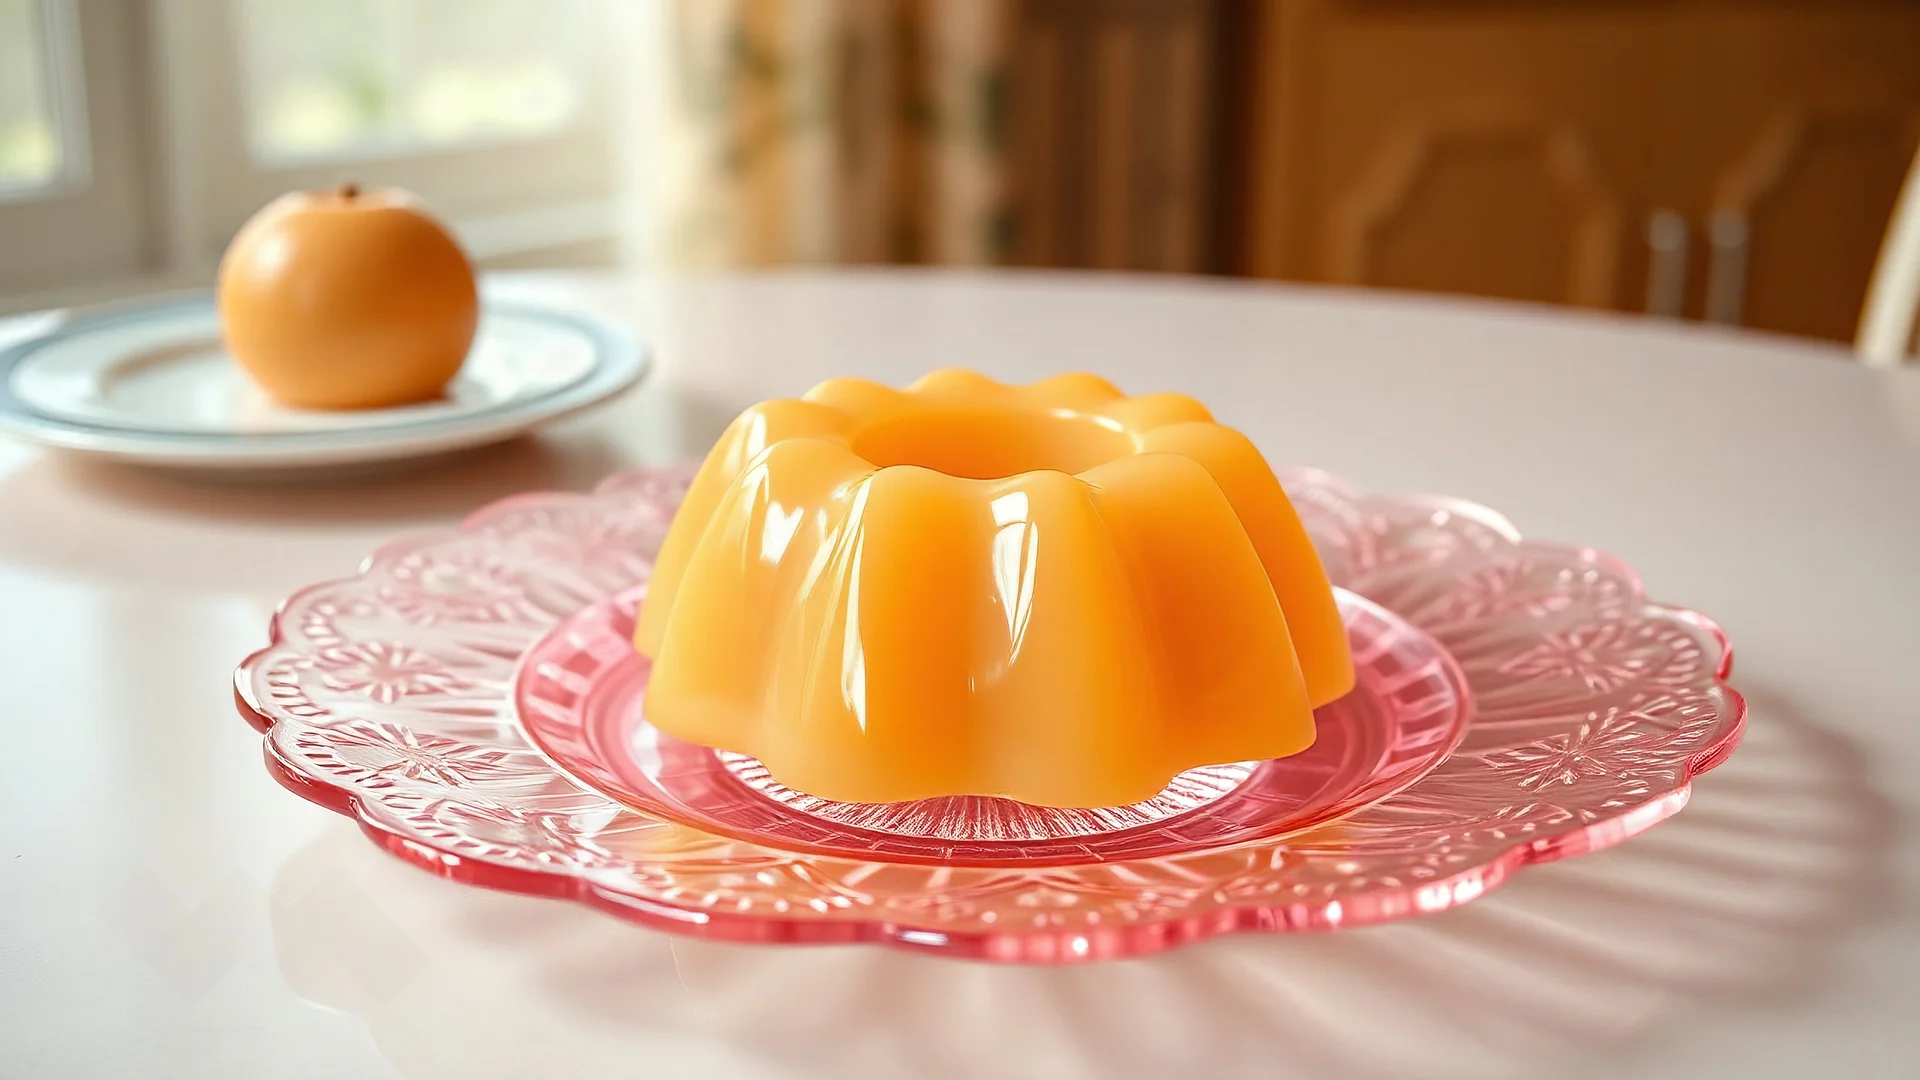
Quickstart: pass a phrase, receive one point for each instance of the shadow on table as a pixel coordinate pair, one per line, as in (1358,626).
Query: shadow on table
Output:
(1736,900)
(122,524)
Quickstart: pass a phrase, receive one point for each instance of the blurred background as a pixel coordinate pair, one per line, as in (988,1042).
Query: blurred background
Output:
(1724,160)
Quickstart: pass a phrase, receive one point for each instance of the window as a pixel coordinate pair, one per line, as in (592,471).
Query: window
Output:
(334,77)
(488,109)
(32,156)
(72,207)
(137,135)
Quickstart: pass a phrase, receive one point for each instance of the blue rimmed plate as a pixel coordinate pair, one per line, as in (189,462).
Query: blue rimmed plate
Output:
(152,383)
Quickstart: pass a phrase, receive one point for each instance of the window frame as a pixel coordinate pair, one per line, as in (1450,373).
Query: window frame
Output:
(66,86)
(93,219)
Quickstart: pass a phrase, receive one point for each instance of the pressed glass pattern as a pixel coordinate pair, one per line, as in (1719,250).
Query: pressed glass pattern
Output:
(388,696)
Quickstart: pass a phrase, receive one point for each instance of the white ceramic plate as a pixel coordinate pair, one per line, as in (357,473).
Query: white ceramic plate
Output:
(153,383)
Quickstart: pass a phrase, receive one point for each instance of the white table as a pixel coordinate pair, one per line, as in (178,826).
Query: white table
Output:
(167,910)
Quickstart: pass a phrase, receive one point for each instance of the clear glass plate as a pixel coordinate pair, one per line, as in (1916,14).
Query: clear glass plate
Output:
(389,696)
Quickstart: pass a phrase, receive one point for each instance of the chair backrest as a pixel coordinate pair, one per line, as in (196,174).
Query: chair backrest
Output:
(1886,322)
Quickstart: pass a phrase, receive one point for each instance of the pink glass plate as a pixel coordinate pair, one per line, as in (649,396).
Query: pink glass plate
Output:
(388,696)
(578,694)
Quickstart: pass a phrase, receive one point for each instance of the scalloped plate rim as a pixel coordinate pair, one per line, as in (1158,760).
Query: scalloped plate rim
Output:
(1024,946)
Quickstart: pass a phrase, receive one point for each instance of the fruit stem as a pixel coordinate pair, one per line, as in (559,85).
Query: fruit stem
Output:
(349,190)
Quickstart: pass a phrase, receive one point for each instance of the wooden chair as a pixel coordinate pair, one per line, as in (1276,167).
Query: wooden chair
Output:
(1886,321)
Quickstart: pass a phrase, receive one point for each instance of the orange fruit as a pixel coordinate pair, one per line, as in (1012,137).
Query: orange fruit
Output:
(348,299)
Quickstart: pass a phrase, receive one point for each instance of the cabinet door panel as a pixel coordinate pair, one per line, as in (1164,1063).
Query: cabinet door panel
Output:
(1485,201)
(1494,149)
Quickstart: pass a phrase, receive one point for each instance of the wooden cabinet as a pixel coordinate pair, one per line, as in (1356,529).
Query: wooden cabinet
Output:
(1782,135)
(1488,151)
(1532,151)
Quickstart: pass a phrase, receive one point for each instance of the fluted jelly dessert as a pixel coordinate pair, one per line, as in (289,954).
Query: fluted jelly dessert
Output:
(1054,593)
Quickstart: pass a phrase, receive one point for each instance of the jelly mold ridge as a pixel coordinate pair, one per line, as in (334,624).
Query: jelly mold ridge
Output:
(1052,593)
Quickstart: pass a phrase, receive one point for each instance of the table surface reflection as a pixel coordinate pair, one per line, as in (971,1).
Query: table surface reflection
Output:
(166,910)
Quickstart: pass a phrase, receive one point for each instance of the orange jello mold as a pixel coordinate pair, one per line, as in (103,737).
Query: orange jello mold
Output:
(1054,593)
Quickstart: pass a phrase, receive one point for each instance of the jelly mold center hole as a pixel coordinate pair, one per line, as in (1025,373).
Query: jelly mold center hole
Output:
(987,444)
(981,819)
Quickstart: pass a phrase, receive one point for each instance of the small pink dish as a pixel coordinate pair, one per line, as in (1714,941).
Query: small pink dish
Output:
(471,699)
(578,694)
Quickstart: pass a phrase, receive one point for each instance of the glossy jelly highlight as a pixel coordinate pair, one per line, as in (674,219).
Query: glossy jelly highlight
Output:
(1052,593)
